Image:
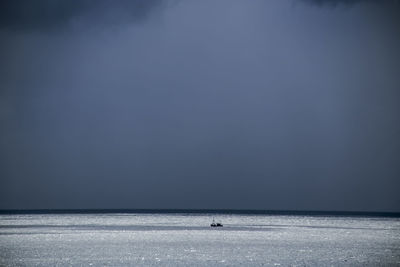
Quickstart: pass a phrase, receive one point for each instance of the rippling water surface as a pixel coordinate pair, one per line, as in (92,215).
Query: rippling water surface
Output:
(187,239)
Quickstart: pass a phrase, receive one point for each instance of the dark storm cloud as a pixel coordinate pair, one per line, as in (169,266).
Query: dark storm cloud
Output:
(334,3)
(338,2)
(55,14)
(214,104)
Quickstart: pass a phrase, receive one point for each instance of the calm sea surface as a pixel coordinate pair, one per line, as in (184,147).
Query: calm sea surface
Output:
(187,240)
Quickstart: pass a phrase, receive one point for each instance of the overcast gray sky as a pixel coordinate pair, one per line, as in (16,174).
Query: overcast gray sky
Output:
(280,104)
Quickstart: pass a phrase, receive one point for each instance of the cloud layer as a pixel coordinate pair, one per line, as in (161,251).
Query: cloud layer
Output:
(46,15)
(214,104)
(338,2)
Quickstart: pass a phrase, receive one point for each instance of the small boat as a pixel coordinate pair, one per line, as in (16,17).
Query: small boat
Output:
(215,224)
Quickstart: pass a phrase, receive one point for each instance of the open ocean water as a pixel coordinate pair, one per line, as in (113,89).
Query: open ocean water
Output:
(188,240)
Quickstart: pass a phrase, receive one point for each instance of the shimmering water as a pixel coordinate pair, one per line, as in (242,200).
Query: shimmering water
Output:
(187,239)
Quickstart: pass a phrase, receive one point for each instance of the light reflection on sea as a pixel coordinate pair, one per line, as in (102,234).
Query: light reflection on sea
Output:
(187,239)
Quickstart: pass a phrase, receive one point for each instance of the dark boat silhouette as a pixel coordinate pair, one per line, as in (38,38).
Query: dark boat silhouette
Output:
(216,224)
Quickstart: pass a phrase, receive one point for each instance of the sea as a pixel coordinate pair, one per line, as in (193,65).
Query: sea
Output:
(186,239)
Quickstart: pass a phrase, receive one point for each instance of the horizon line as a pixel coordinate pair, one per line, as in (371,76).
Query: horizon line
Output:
(204,211)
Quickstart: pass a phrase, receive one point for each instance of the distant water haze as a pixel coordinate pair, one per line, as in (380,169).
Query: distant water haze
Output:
(271,105)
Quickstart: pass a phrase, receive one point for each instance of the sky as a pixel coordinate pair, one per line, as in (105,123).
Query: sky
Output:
(227,104)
